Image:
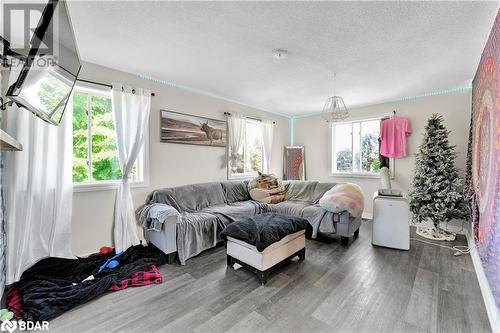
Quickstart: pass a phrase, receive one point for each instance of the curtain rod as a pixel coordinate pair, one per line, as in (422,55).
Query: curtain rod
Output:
(104,84)
(229,114)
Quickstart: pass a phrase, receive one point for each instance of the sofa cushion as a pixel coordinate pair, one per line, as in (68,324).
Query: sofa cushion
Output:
(309,191)
(321,189)
(289,207)
(301,191)
(235,191)
(189,198)
(238,209)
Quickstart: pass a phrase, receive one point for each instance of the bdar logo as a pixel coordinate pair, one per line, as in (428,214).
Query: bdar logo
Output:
(8,326)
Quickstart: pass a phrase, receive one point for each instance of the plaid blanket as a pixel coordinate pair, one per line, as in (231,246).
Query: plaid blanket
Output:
(55,285)
(149,275)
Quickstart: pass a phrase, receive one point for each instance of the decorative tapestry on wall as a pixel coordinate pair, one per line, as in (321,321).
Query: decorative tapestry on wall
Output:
(482,185)
(294,163)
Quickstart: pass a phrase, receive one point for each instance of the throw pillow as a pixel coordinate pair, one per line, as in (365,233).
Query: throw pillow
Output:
(266,188)
(344,197)
(235,191)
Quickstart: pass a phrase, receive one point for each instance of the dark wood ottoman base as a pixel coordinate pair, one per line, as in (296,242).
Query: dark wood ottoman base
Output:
(264,275)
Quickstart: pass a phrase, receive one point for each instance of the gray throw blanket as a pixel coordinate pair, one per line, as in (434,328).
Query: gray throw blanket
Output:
(153,216)
(265,229)
(197,231)
(201,230)
(204,210)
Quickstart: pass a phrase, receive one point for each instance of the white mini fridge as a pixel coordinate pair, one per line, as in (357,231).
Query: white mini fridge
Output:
(391,222)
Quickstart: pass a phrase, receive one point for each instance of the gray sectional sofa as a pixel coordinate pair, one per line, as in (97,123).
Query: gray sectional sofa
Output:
(188,219)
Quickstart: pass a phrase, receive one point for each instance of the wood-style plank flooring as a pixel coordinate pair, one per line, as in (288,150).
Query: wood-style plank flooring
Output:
(358,288)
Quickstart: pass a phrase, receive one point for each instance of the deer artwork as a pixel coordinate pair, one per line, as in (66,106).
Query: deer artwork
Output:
(213,134)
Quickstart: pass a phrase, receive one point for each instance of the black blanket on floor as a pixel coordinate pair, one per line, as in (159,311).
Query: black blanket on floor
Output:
(54,285)
(265,229)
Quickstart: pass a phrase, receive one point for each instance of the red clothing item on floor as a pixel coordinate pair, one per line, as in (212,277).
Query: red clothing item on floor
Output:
(105,250)
(14,303)
(102,250)
(149,275)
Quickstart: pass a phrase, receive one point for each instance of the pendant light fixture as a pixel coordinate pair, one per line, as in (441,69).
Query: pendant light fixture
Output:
(335,109)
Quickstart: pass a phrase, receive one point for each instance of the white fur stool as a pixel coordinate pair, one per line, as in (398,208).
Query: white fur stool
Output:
(263,263)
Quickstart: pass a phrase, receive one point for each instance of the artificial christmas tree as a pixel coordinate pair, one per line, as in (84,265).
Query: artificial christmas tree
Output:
(436,192)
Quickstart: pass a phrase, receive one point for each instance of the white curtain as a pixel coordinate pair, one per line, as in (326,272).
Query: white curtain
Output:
(38,190)
(131,113)
(267,138)
(236,126)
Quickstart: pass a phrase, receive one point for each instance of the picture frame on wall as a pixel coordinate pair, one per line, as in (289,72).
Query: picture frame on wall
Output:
(294,163)
(176,127)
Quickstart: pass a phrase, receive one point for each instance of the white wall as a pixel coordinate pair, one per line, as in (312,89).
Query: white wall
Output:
(170,164)
(177,164)
(312,132)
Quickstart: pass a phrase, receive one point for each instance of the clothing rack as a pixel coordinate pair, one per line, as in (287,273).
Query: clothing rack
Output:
(228,114)
(105,85)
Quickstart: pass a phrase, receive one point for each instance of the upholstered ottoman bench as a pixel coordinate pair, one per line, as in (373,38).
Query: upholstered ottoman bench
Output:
(264,241)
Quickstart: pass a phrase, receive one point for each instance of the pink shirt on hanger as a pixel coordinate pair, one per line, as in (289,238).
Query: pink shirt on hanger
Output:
(393,134)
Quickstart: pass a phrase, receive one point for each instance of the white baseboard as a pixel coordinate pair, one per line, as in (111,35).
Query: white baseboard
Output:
(489,301)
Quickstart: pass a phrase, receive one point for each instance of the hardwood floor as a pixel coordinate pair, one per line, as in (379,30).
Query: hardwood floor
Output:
(358,288)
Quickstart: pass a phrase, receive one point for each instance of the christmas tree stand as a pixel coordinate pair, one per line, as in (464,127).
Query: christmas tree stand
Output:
(435,233)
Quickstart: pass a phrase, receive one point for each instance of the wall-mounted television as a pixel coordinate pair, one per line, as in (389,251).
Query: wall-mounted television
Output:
(50,69)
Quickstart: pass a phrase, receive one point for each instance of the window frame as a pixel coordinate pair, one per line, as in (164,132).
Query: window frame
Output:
(246,175)
(143,157)
(331,154)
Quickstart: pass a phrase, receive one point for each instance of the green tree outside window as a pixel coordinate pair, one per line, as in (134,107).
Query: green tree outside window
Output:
(103,160)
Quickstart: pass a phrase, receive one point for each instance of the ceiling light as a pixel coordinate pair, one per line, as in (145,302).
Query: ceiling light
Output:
(335,109)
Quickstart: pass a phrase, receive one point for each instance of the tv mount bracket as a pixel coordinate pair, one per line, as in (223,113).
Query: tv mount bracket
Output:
(3,106)
(8,52)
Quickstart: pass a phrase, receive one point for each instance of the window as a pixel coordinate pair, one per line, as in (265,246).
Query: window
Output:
(355,148)
(249,160)
(95,154)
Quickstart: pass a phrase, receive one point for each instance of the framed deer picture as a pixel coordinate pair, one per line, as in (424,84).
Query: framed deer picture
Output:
(193,130)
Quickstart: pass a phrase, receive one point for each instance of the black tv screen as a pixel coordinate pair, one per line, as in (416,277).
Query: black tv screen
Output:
(51,67)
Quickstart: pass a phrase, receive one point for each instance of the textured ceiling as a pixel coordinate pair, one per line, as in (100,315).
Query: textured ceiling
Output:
(380,50)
